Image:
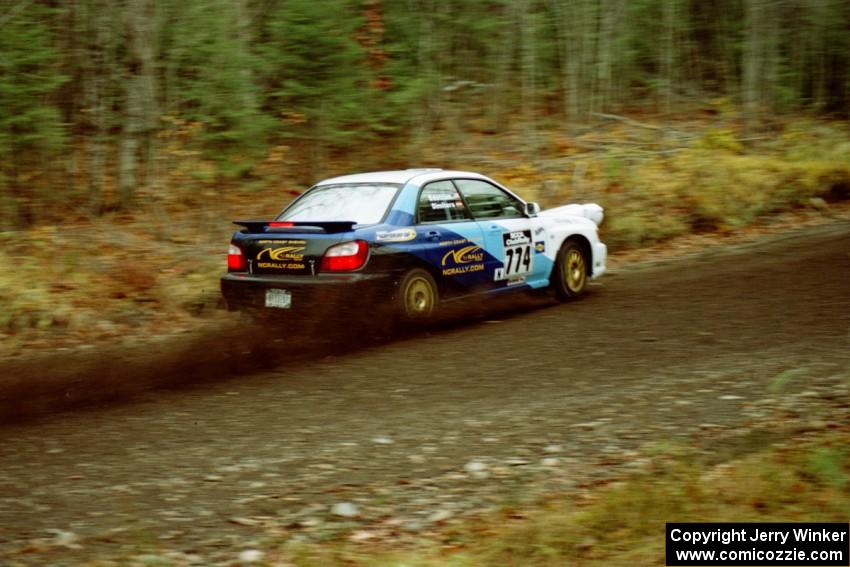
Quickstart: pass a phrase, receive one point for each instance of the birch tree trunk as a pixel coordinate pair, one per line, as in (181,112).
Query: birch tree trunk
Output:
(527,67)
(96,78)
(139,94)
(753,61)
(427,69)
(499,89)
(667,54)
(568,28)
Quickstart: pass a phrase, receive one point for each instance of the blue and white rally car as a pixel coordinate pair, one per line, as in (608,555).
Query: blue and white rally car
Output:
(413,239)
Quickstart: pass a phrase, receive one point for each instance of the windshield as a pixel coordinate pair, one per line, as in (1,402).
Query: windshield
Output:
(361,203)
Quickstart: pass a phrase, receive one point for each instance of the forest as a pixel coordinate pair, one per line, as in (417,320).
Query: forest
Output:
(132,132)
(103,102)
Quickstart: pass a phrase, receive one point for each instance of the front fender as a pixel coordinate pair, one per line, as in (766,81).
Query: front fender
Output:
(561,229)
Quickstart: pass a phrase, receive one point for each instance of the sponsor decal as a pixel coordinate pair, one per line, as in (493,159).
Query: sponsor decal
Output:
(287,255)
(281,265)
(465,255)
(516,281)
(282,253)
(516,237)
(540,247)
(454,242)
(439,202)
(463,261)
(285,242)
(468,268)
(400,235)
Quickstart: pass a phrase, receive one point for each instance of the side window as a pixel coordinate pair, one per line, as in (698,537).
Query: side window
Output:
(440,202)
(488,201)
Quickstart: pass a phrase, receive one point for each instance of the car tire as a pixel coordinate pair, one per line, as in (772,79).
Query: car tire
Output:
(418,296)
(569,274)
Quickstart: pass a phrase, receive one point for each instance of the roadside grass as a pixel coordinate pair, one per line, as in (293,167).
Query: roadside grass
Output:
(709,187)
(623,523)
(156,270)
(61,286)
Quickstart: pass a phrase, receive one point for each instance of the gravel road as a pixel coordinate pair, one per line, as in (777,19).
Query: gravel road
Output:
(406,434)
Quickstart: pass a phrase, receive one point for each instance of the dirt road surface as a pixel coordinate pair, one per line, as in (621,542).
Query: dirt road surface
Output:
(725,351)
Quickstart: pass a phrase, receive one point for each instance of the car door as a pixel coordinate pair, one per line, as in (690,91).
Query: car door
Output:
(513,240)
(449,238)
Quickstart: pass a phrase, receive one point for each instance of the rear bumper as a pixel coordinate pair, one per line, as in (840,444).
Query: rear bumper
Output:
(333,293)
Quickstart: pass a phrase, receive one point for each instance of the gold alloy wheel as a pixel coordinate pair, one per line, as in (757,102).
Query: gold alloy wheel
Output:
(575,271)
(419,297)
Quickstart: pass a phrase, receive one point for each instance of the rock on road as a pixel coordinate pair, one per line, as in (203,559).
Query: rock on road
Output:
(436,425)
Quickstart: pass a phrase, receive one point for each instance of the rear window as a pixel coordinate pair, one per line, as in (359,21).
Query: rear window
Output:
(361,203)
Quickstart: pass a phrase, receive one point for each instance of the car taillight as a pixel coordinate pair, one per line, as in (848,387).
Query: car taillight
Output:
(236,259)
(345,257)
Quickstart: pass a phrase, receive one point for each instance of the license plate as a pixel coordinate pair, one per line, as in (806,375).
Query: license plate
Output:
(279,298)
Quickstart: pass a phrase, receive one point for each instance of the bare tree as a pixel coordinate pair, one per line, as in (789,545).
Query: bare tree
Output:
(98,70)
(139,93)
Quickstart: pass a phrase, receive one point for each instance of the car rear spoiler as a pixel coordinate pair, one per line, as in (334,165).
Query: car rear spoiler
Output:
(329,227)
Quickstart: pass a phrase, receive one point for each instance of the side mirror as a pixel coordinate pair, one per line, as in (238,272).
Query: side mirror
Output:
(532,209)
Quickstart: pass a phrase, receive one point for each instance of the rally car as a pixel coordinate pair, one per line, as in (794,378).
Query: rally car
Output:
(414,240)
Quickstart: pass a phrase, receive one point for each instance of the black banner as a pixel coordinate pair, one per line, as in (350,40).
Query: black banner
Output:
(762,544)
